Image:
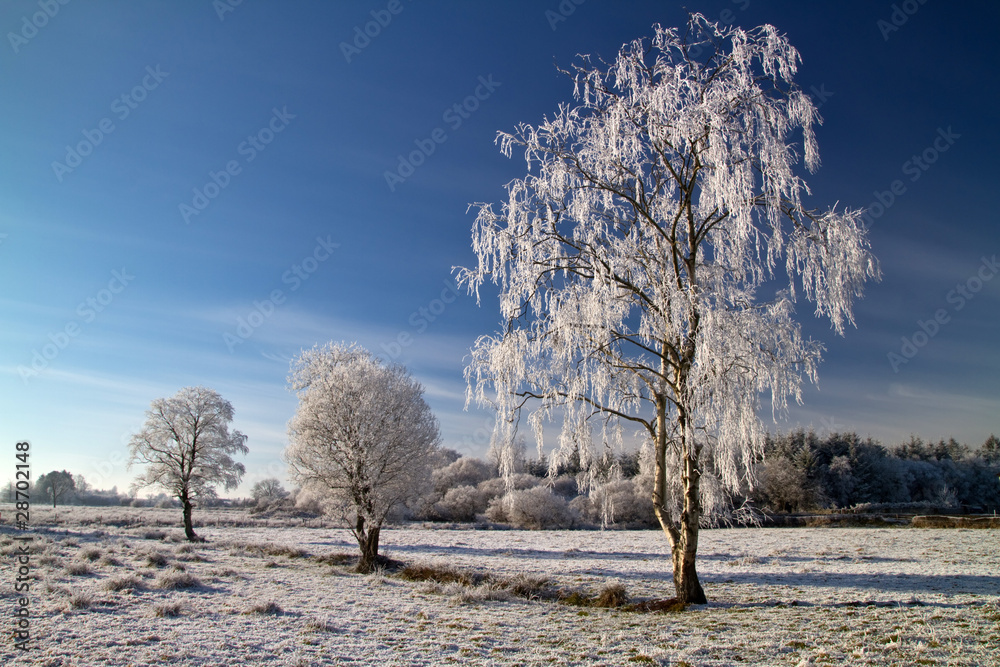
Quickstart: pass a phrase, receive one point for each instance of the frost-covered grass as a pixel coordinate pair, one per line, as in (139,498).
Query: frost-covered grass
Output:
(287,596)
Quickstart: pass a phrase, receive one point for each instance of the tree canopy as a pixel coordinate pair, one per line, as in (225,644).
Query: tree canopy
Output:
(650,261)
(361,440)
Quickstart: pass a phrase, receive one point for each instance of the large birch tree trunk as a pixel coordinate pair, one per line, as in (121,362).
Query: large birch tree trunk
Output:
(188,524)
(683,535)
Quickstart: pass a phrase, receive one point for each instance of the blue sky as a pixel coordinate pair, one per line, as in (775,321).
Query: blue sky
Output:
(172,169)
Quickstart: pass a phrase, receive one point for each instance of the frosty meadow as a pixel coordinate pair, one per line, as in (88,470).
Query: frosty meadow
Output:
(120,586)
(631,498)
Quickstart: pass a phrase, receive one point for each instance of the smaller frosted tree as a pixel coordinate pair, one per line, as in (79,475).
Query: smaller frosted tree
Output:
(267,491)
(56,484)
(362,439)
(187,448)
(991,449)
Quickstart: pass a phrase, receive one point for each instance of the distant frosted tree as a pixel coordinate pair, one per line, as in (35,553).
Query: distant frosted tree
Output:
(362,439)
(187,448)
(638,263)
(81,484)
(55,484)
(268,490)
(991,449)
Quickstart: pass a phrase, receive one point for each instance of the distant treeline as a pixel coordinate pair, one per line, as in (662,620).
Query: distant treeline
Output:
(802,471)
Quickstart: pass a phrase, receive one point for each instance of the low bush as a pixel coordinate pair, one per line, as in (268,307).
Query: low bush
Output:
(535,509)
(462,503)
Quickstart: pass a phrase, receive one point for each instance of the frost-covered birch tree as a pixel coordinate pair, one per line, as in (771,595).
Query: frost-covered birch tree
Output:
(188,448)
(649,262)
(362,439)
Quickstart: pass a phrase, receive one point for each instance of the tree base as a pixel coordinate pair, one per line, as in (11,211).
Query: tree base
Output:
(383,563)
(670,605)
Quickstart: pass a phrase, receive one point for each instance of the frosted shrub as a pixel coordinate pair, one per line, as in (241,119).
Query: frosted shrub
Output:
(623,502)
(462,504)
(309,500)
(534,508)
(496,487)
(466,471)
(565,486)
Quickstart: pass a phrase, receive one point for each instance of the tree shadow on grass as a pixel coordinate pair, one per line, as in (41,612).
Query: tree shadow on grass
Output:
(875,583)
(863,583)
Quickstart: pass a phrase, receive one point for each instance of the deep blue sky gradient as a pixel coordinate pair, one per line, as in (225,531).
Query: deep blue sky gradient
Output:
(886,96)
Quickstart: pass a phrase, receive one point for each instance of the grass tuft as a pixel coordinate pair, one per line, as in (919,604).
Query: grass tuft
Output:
(269,608)
(81,600)
(78,568)
(612,596)
(156,559)
(167,609)
(441,574)
(110,560)
(336,559)
(90,553)
(122,582)
(320,625)
(177,580)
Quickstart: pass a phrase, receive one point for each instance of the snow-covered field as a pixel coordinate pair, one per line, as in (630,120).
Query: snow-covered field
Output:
(113,595)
